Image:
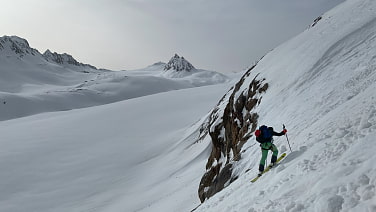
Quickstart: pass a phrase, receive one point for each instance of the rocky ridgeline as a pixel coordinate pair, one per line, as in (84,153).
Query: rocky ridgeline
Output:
(63,59)
(19,47)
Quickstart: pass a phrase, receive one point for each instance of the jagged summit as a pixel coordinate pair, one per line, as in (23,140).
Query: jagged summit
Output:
(178,64)
(63,59)
(179,67)
(16,45)
(60,58)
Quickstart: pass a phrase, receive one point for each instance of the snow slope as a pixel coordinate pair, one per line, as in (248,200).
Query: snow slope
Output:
(134,155)
(322,85)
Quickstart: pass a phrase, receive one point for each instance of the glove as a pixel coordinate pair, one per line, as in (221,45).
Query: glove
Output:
(284,131)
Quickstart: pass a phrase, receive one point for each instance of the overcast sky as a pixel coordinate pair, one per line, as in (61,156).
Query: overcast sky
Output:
(220,35)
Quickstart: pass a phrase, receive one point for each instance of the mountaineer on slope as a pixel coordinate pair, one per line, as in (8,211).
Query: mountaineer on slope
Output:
(264,135)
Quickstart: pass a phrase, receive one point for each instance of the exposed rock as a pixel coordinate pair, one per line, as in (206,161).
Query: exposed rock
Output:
(230,125)
(63,59)
(316,21)
(17,45)
(178,64)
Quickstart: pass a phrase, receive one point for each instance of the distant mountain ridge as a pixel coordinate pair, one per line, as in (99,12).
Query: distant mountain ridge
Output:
(63,59)
(19,47)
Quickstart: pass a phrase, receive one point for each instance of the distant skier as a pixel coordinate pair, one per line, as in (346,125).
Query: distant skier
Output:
(264,135)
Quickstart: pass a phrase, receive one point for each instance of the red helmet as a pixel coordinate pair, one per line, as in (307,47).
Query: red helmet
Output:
(257,133)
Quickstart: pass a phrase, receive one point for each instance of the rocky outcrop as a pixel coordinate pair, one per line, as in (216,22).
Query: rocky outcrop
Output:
(16,45)
(63,59)
(316,21)
(229,127)
(178,64)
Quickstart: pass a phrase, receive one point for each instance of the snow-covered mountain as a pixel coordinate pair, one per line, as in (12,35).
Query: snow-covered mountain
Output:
(179,64)
(22,65)
(15,46)
(149,153)
(179,67)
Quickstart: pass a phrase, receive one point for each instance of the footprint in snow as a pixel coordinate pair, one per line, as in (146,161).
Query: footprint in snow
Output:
(364,122)
(341,132)
(335,203)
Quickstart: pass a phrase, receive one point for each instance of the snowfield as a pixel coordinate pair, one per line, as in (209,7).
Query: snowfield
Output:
(133,155)
(103,141)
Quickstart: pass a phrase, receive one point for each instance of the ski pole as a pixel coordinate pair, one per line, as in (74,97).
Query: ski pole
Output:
(287,138)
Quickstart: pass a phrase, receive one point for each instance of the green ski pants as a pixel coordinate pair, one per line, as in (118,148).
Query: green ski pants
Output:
(265,147)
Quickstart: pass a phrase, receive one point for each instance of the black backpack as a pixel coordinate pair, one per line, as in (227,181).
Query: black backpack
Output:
(266,134)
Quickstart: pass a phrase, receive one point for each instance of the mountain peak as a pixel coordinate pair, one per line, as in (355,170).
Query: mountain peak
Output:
(17,45)
(178,64)
(63,59)
(60,58)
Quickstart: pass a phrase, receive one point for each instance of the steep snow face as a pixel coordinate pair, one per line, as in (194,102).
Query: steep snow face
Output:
(322,86)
